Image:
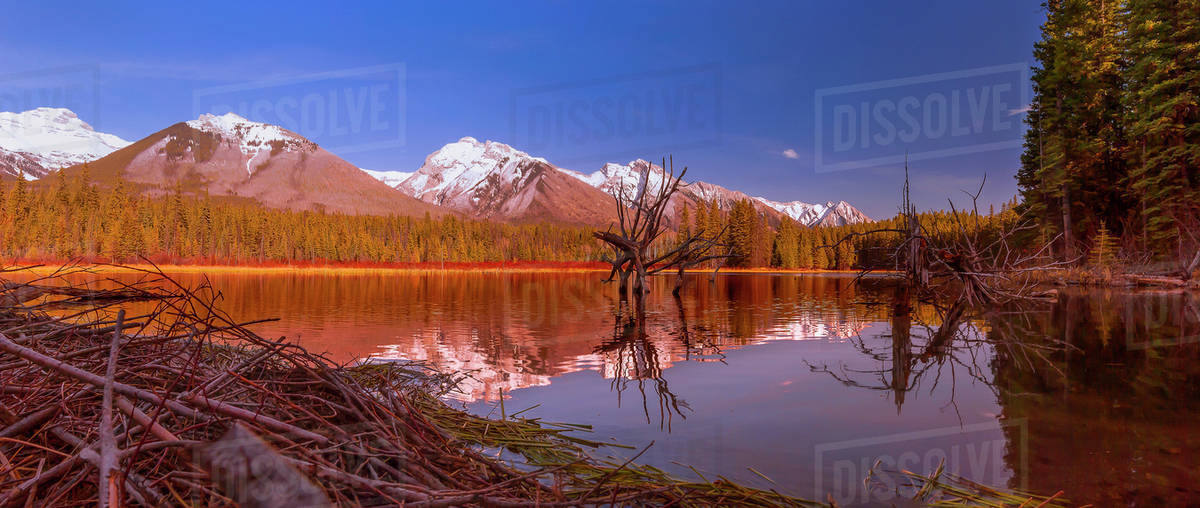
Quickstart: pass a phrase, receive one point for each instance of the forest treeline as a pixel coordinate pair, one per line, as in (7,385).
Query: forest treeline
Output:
(1114,127)
(753,242)
(62,220)
(59,219)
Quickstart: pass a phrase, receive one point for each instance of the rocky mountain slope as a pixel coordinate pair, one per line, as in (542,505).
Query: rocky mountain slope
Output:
(827,214)
(228,155)
(231,156)
(494,180)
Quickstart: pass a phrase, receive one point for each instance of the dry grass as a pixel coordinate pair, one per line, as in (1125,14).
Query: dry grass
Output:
(941,488)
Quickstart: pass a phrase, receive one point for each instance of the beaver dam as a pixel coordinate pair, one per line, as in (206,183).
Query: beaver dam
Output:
(183,406)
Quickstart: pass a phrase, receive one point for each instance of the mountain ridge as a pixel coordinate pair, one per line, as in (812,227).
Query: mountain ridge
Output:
(228,155)
(461,174)
(492,180)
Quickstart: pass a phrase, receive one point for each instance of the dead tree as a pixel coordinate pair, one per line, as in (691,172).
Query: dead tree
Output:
(977,268)
(641,221)
(1188,224)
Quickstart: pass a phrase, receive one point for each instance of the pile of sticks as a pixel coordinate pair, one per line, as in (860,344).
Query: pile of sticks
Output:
(146,394)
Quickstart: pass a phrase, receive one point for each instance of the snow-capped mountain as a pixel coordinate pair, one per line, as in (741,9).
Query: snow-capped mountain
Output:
(391,178)
(232,156)
(257,141)
(629,176)
(638,174)
(42,140)
(450,173)
(828,214)
(493,180)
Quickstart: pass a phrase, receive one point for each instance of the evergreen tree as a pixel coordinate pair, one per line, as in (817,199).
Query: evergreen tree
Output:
(1073,169)
(1163,105)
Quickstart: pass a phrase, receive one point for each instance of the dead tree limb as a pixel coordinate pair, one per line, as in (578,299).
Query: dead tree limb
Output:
(641,221)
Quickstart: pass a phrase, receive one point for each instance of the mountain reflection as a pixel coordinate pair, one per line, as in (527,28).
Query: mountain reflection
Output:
(565,325)
(510,331)
(1095,393)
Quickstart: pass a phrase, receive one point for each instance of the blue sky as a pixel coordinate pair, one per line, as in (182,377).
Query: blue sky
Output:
(788,100)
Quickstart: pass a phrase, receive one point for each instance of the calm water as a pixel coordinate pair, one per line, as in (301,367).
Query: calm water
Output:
(807,379)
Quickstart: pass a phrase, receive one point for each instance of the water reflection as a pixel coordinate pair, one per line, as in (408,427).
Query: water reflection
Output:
(513,331)
(1118,408)
(631,357)
(808,379)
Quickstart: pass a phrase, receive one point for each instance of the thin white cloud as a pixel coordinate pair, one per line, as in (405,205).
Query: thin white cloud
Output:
(1020,111)
(791,154)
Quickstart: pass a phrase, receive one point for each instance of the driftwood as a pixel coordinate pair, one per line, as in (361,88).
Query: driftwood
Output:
(1155,280)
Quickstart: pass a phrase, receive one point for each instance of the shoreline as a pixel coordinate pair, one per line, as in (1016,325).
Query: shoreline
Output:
(44,266)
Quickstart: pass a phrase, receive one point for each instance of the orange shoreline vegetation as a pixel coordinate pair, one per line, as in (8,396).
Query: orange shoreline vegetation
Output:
(43,265)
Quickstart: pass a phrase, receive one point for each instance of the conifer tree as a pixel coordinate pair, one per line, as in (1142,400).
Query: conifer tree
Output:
(1163,115)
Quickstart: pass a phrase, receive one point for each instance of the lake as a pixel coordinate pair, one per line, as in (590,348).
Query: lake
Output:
(800,383)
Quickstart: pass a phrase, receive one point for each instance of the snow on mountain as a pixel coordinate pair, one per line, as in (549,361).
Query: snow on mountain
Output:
(392,178)
(827,214)
(257,140)
(53,138)
(254,135)
(20,164)
(450,173)
(841,214)
(493,180)
(805,213)
(630,176)
(228,155)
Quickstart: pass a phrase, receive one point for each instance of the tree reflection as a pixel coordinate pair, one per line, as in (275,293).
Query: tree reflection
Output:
(1108,385)
(926,341)
(1098,390)
(638,361)
(916,347)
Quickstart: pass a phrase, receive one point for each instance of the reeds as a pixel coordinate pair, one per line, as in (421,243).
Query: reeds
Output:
(941,488)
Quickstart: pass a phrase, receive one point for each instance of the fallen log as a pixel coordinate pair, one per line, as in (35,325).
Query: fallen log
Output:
(1155,280)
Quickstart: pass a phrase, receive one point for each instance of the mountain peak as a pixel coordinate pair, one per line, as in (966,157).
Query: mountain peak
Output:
(232,125)
(53,138)
(60,116)
(456,168)
(489,178)
(228,155)
(36,121)
(256,139)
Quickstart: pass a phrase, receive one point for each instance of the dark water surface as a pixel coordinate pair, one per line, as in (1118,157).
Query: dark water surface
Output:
(809,380)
